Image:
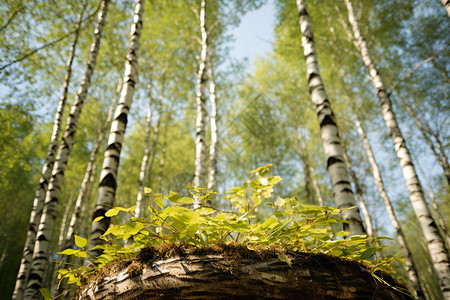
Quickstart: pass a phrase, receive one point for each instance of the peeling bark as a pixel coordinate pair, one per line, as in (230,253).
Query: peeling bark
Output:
(409,263)
(436,246)
(342,190)
(222,277)
(108,175)
(47,220)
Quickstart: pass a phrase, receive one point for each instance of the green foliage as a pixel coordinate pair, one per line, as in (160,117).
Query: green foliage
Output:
(293,226)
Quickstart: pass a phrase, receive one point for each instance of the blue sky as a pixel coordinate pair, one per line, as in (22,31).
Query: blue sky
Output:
(254,35)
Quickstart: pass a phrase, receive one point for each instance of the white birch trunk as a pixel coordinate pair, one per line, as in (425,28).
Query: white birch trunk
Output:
(212,180)
(438,215)
(409,263)
(359,194)
(441,157)
(436,246)
(108,175)
(200,139)
(45,231)
(46,173)
(68,240)
(145,158)
(446,4)
(342,190)
(162,161)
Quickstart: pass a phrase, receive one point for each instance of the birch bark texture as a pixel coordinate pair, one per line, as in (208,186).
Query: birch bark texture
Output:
(409,263)
(47,221)
(359,194)
(342,190)
(46,173)
(213,154)
(436,246)
(69,241)
(108,176)
(446,4)
(426,131)
(200,138)
(145,158)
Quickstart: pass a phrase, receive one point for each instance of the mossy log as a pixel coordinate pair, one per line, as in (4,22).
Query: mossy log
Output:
(237,276)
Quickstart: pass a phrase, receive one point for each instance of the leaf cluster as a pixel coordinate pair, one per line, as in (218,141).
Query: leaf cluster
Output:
(293,226)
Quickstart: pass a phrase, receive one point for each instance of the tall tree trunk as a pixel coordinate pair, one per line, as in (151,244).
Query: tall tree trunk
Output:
(59,247)
(68,241)
(409,263)
(342,190)
(446,4)
(441,157)
(145,158)
(436,245)
(63,227)
(438,216)
(359,194)
(200,139)
(45,231)
(46,173)
(108,175)
(213,154)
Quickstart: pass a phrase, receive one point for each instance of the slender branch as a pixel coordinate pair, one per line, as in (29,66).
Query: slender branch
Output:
(31,52)
(11,18)
(417,67)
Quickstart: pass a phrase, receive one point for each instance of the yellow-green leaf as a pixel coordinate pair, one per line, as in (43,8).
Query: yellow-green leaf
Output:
(283,257)
(80,242)
(97,219)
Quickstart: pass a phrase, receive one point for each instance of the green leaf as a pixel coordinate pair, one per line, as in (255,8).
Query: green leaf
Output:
(67,252)
(112,212)
(160,202)
(185,200)
(283,257)
(97,219)
(46,293)
(173,197)
(80,242)
(80,253)
(342,233)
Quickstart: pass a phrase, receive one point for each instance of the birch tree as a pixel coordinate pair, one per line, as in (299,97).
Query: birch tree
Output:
(342,190)
(438,149)
(214,131)
(108,176)
(200,139)
(145,158)
(359,194)
(68,241)
(435,243)
(44,234)
(46,173)
(409,263)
